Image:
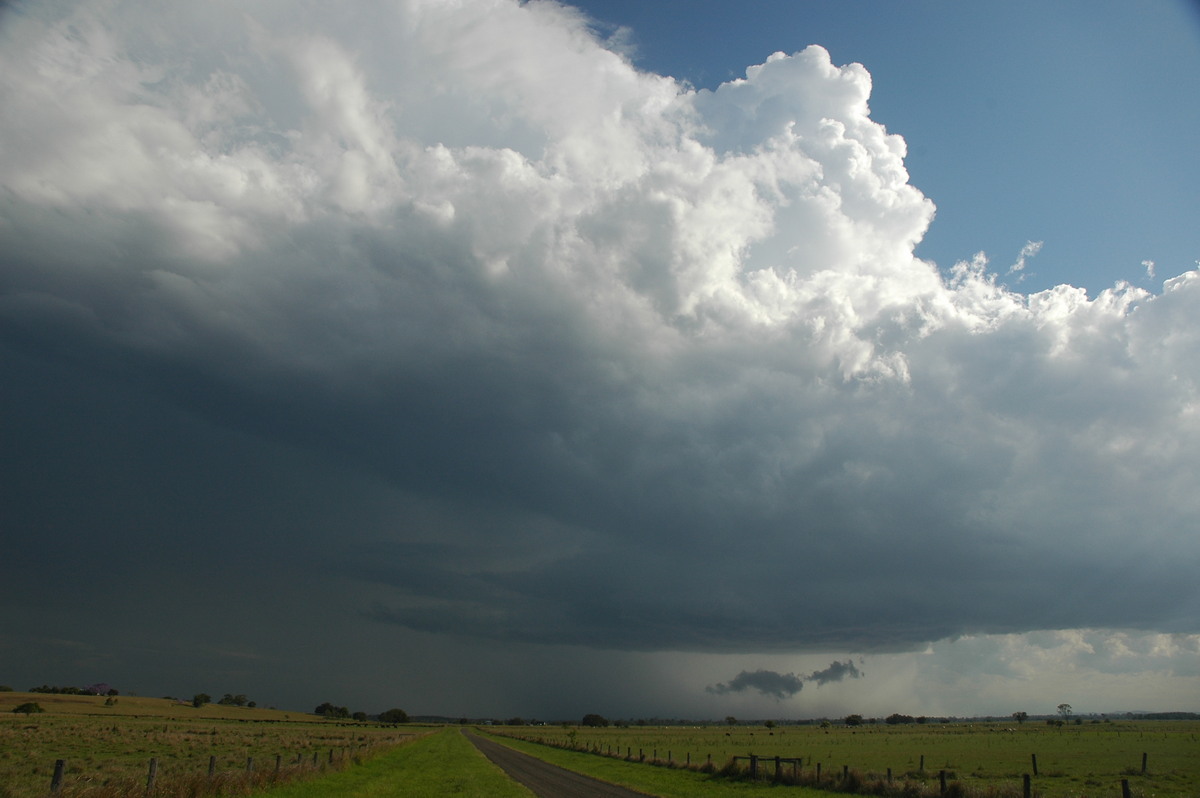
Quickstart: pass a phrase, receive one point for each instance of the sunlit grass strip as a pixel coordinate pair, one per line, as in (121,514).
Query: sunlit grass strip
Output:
(440,764)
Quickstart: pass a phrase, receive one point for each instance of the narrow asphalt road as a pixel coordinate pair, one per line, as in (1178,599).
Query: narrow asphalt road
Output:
(545,780)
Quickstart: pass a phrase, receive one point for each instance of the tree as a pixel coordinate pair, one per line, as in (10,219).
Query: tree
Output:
(397,716)
(1020,717)
(200,699)
(359,716)
(731,720)
(29,708)
(330,711)
(594,720)
(854,720)
(1065,711)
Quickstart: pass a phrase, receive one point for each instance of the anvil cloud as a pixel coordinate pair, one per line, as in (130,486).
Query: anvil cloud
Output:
(446,314)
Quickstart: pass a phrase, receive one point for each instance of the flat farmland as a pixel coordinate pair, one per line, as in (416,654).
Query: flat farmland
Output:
(111,746)
(1072,761)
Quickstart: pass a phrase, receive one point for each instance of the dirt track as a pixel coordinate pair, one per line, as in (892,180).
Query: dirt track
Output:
(545,780)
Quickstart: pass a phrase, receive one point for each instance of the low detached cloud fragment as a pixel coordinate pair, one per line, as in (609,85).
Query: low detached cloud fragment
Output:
(783,685)
(465,325)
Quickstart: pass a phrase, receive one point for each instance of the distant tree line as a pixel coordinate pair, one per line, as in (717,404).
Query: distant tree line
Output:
(95,689)
(332,711)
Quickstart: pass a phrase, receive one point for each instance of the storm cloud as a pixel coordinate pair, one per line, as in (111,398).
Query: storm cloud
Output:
(445,316)
(783,685)
(769,683)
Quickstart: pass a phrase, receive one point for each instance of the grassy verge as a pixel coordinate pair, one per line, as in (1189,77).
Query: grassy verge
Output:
(440,764)
(665,782)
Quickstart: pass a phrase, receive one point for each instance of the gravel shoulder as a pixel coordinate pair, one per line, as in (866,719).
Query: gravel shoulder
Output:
(543,779)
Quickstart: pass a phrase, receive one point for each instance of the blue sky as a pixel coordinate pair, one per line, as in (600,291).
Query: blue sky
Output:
(1070,123)
(439,355)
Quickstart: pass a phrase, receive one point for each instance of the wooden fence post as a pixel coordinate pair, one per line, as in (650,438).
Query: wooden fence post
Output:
(60,766)
(1125,788)
(1143,763)
(942,782)
(889,776)
(249,764)
(1026,787)
(151,776)
(921,769)
(1033,758)
(212,766)
(753,767)
(278,761)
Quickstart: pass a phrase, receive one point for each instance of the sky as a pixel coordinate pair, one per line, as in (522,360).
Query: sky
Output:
(782,360)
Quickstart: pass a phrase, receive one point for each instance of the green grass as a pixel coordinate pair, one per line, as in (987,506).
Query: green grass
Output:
(665,782)
(1073,761)
(440,764)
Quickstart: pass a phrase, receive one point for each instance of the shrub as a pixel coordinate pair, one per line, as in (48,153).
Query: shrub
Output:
(29,708)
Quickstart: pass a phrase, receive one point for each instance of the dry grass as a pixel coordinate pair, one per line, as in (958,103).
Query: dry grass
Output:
(107,750)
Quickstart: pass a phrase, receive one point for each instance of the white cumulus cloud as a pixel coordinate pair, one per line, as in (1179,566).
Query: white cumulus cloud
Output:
(609,338)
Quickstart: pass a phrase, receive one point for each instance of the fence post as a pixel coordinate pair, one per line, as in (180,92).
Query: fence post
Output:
(1125,788)
(942,781)
(753,767)
(1033,758)
(249,764)
(818,772)
(151,776)
(922,768)
(60,766)
(1143,763)
(1026,787)
(889,776)
(212,766)
(278,761)
(778,774)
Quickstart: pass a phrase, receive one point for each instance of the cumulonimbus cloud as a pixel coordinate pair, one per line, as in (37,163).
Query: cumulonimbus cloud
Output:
(619,363)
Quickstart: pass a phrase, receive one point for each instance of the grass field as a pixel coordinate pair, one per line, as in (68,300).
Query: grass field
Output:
(113,745)
(1086,760)
(440,764)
